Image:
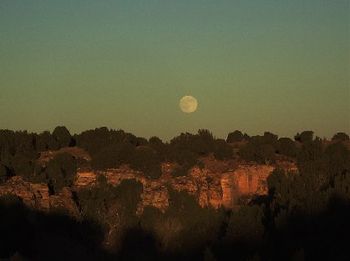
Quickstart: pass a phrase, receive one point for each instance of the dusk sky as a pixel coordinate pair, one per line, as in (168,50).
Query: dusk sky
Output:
(258,65)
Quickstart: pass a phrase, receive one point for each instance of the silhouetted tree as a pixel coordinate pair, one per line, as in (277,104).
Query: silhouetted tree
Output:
(148,161)
(45,141)
(235,136)
(62,136)
(305,136)
(61,171)
(112,156)
(286,146)
(245,231)
(259,149)
(341,136)
(222,150)
(4,173)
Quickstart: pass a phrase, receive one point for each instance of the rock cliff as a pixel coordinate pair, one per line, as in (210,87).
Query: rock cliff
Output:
(37,196)
(213,187)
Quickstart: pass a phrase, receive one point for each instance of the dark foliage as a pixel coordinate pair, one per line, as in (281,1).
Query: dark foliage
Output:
(304,216)
(260,149)
(287,147)
(62,136)
(148,161)
(103,202)
(305,136)
(38,236)
(237,136)
(341,136)
(61,171)
(45,141)
(186,148)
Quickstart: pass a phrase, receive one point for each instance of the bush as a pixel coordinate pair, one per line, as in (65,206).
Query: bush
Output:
(148,161)
(45,141)
(61,171)
(258,150)
(4,173)
(287,147)
(341,136)
(305,136)
(108,204)
(237,136)
(62,136)
(222,150)
(112,156)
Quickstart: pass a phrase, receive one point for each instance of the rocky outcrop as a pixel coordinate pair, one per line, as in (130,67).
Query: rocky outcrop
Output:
(85,179)
(211,186)
(63,201)
(37,196)
(76,152)
(33,195)
(214,189)
(246,181)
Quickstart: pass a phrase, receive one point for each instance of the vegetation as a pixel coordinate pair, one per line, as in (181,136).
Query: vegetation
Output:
(305,215)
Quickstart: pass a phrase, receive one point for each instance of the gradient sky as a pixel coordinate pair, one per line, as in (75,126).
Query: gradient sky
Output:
(256,65)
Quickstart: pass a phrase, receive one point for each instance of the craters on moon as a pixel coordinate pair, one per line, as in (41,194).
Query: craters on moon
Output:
(188,104)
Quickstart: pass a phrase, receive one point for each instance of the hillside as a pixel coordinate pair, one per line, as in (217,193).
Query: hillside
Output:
(191,198)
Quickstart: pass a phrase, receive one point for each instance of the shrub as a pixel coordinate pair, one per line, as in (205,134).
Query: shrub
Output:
(61,171)
(62,136)
(148,161)
(340,136)
(305,136)
(235,136)
(287,147)
(258,150)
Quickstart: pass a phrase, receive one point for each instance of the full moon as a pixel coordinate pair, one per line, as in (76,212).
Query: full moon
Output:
(188,104)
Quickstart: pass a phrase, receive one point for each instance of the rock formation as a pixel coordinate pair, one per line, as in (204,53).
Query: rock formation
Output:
(211,186)
(33,195)
(37,196)
(213,189)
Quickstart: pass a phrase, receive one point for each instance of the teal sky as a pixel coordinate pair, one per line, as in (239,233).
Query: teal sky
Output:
(256,65)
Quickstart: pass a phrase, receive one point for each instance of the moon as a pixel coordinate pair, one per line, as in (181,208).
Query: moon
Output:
(188,104)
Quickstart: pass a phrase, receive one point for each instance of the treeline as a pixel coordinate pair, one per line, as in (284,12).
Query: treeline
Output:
(305,215)
(108,149)
(20,150)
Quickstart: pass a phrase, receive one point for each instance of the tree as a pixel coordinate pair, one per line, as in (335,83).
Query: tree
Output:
(245,230)
(4,173)
(186,225)
(235,136)
(112,156)
(258,150)
(337,159)
(114,207)
(270,138)
(287,147)
(155,141)
(158,145)
(62,136)
(148,161)
(340,136)
(61,171)
(222,150)
(23,165)
(305,136)
(45,141)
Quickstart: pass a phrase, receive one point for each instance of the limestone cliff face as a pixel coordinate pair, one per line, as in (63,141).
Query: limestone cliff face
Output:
(212,187)
(37,196)
(33,195)
(246,180)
